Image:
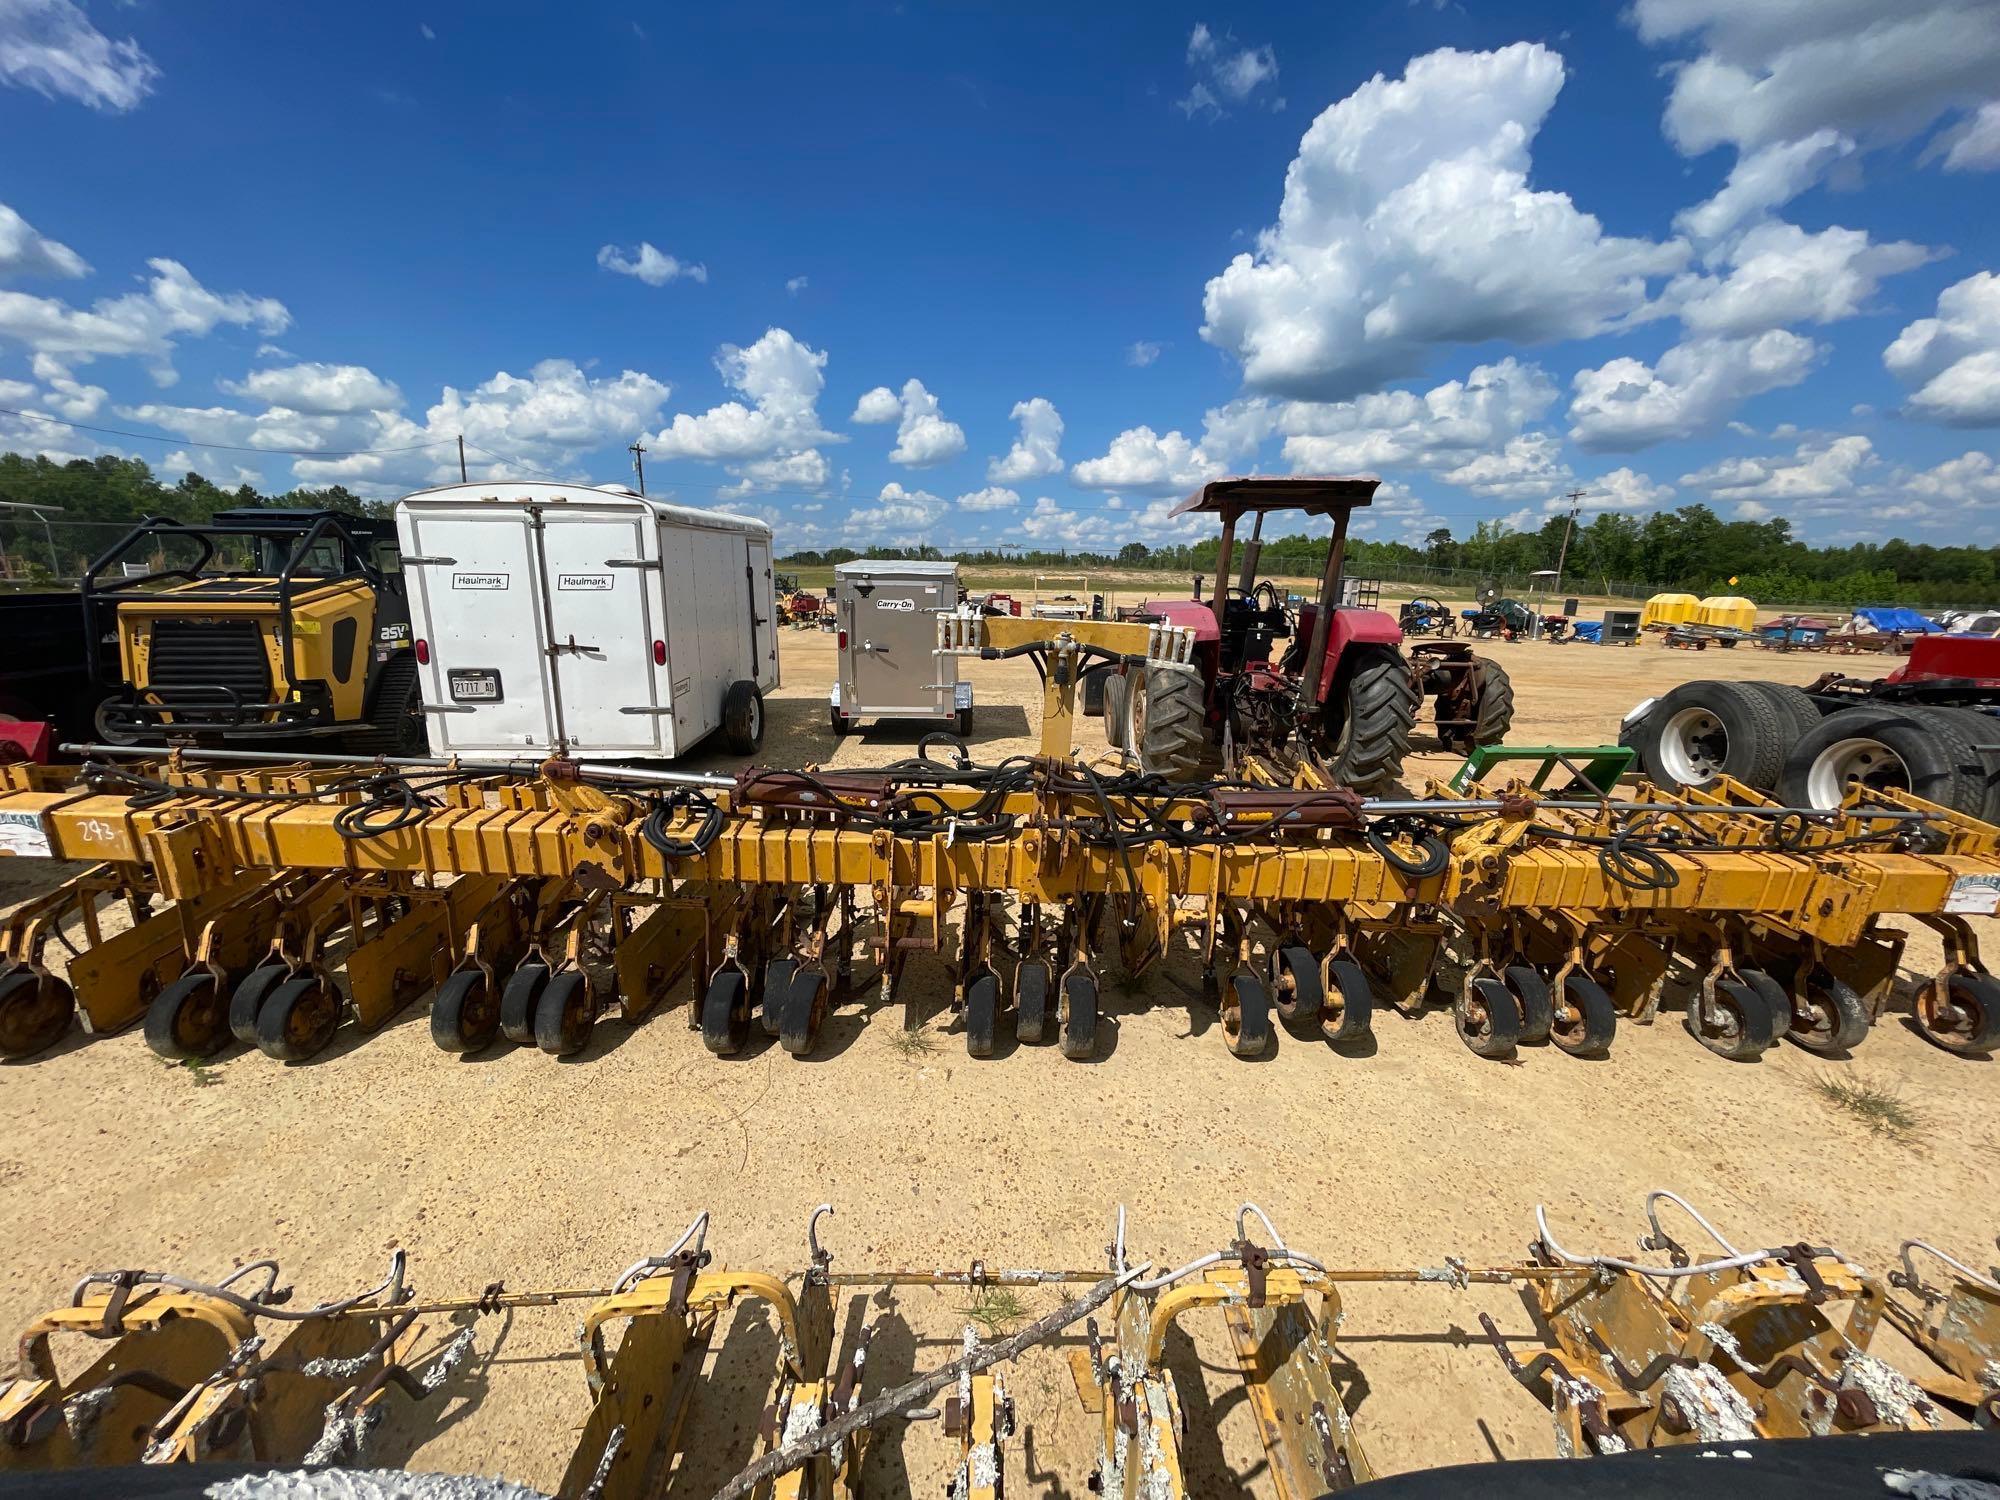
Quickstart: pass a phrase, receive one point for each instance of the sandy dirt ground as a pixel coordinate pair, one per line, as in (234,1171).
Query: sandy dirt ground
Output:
(551,1173)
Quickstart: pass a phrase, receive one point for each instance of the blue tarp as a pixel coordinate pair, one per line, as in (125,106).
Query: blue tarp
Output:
(1590,630)
(1897,618)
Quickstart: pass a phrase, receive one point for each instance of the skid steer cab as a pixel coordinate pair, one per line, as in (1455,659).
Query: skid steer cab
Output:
(256,625)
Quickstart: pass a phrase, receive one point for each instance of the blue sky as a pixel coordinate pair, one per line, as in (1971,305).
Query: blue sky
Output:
(894,271)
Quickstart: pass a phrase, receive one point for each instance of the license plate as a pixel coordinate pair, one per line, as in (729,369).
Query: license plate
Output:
(481,686)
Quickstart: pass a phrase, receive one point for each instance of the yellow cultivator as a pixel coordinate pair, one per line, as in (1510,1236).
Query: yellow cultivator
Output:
(269,901)
(1710,1354)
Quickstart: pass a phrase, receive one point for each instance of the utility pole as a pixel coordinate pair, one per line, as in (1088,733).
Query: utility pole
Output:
(1575,498)
(638,452)
(461,458)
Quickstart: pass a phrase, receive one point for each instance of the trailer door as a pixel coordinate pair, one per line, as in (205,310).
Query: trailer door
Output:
(763,611)
(600,566)
(895,666)
(474,585)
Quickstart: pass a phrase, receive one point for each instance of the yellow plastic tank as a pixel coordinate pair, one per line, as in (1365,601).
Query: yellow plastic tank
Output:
(1668,609)
(1727,609)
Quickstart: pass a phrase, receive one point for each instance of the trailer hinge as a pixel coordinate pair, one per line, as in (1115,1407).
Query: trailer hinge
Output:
(430,562)
(633,562)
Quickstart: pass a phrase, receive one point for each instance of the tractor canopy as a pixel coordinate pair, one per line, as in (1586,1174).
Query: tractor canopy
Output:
(1261,494)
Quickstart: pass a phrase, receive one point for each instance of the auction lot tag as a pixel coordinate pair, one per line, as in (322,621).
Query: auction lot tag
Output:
(1974,896)
(22,833)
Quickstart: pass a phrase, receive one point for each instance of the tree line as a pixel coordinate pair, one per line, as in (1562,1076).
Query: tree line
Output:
(1690,548)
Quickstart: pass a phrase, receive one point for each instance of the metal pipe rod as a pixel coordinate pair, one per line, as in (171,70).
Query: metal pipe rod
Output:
(406,762)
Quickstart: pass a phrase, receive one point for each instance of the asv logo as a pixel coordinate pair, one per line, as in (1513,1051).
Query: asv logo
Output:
(899,606)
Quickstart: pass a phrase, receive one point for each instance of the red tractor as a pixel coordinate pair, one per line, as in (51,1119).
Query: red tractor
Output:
(1323,680)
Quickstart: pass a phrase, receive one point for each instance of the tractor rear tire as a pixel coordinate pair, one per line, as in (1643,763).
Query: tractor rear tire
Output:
(396,716)
(743,717)
(1378,710)
(1159,715)
(1495,714)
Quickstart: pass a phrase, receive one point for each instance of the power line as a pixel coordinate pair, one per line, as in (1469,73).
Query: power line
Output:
(191,442)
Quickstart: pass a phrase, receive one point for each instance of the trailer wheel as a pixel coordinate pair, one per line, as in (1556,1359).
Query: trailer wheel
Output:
(982,1014)
(1488,1019)
(299,1019)
(1079,1016)
(189,1019)
(725,1013)
(1495,714)
(464,1017)
(520,997)
(1295,985)
(1161,719)
(1367,727)
(1744,1028)
(1531,994)
(961,723)
(35,1011)
(1702,730)
(565,1014)
(1246,1014)
(743,717)
(1031,1000)
(1886,749)
(248,999)
(842,725)
(1836,1018)
(1968,1022)
(1348,1017)
(1587,1021)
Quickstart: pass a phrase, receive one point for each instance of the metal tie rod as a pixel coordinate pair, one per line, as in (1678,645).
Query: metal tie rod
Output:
(1376,807)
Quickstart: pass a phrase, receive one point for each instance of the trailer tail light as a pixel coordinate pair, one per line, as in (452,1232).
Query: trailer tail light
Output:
(840,641)
(659,653)
(423,652)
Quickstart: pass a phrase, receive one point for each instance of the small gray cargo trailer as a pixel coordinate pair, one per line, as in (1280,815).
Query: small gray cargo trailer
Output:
(887,642)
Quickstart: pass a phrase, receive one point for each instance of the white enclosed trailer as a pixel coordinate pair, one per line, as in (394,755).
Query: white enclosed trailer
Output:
(890,666)
(559,618)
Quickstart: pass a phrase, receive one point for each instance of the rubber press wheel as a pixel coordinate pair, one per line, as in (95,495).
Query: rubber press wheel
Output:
(1295,985)
(299,1018)
(725,1013)
(564,1014)
(1488,1019)
(1969,1021)
(1835,1019)
(804,1002)
(464,1016)
(1586,1021)
(520,996)
(1745,1026)
(1531,994)
(1347,1012)
(1246,1015)
(189,1019)
(248,998)
(35,1011)
(1079,1016)
(778,975)
(982,1014)
(1775,996)
(1032,981)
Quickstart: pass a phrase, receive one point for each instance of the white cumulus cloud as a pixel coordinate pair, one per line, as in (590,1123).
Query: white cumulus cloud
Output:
(1776,274)
(1953,360)
(51,46)
(25,251)
(924,436)
(654,267)
(1225,73)
(1694,387)
(993,497)
(1036,451)
(1408,222)
(1974,146)
(324,389)
(1823,469)
(1146,462)
(772,442)
(899,516)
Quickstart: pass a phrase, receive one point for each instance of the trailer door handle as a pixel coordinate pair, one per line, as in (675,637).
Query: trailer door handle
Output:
(570,647)
(633,562)
(430,562)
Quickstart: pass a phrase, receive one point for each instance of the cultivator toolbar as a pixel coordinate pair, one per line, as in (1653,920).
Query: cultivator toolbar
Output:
(270,901)
(1640,1354)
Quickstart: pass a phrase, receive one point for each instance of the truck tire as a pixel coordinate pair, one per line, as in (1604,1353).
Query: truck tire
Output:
(396,716)
(1703,730)
(743,717)
(1377,710)
(1799,711)
(1891,748)
(1161,719)
(1978,729)
(1495,714)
